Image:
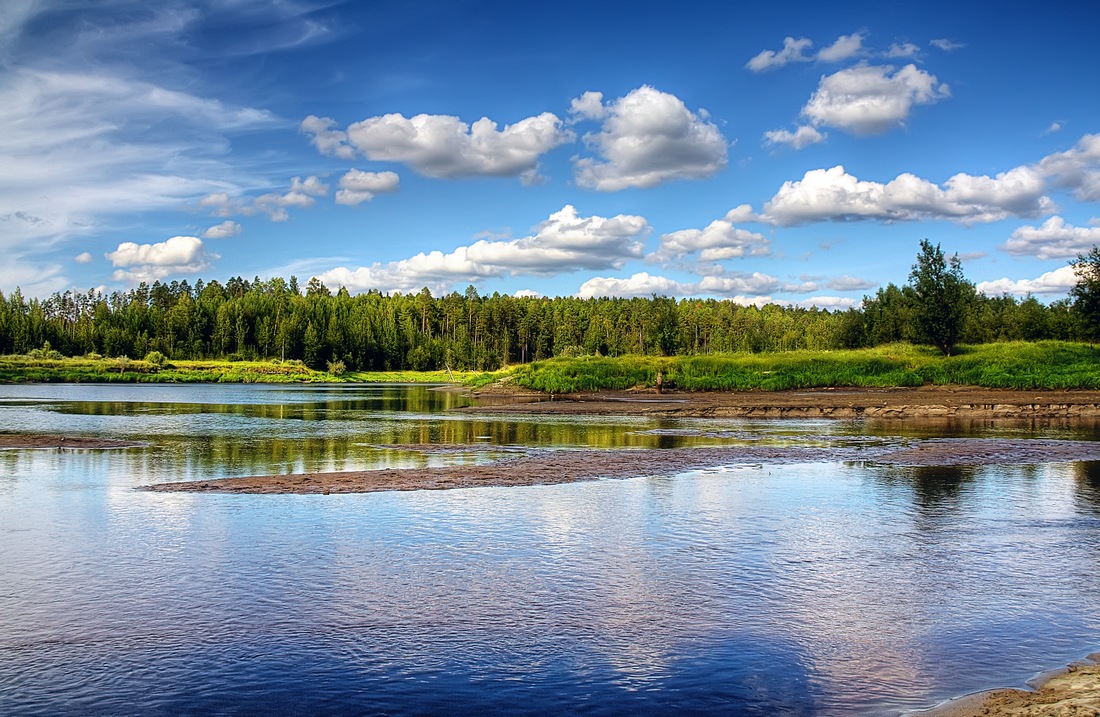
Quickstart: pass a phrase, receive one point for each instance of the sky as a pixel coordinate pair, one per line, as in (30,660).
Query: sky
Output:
(794,153)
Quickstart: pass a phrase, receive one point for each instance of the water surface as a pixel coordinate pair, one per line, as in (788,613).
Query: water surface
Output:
(824,589)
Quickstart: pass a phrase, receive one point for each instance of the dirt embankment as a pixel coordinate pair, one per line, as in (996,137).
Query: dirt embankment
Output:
(38,440)
(932,402)
(1074,692)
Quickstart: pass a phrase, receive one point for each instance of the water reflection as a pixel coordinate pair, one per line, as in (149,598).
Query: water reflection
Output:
(825,589)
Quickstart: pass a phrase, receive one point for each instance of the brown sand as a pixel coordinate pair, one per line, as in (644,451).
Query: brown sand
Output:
(878,403)
(1074,692)
(28,440)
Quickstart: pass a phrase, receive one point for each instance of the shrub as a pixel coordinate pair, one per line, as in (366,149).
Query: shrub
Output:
(337,368)
(156,358)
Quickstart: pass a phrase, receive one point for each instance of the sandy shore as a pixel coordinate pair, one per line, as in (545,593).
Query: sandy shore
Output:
(1074,692)
(935,402)
(37,440)
(549,467)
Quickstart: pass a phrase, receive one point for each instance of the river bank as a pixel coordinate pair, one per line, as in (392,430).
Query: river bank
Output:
(933,402)
(1072,692)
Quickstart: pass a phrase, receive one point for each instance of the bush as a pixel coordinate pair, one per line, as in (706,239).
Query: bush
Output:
(156,358)
(337,368)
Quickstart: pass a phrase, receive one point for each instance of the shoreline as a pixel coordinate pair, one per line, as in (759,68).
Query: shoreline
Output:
(923,402)
(1069,691)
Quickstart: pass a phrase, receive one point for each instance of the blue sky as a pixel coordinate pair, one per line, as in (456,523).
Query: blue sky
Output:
(793,153)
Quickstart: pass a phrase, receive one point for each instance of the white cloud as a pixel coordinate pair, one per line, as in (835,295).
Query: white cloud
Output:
(328,141)
(845,46)
(528,294)
(649,137)
(946,45)
(445,147)
(82,147)
(849,283)
(803,136)
(83,258)
(357,187)
(1059,281)
(1077,168)
(565,242)
(148,262)
(832,303)
(871,99)
(39,280)
(226,229)
(640,284)
(718,241)
(1054,239)
(1055,126)
(793,51)
(302,195)
(587,106)
(834,195)
(902,50)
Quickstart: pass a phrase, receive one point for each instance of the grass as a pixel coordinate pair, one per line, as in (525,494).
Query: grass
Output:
(1019,365)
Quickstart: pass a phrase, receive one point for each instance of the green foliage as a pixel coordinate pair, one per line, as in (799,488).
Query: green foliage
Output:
(156,358)
(337,368)
(1017,365)
(942,297)
(1086,293)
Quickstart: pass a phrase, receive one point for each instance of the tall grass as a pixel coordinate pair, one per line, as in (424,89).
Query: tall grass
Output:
(1042,365)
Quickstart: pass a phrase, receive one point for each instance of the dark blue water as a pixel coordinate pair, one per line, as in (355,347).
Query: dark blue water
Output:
(824,589)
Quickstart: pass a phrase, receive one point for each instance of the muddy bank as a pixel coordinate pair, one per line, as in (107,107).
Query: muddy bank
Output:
(32,440)
(924,402)
(549,467)
(1071,692)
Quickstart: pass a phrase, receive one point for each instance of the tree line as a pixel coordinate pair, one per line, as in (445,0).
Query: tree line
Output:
(276,319)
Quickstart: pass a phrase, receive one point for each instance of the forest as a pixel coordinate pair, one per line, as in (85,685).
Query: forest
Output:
(275,319)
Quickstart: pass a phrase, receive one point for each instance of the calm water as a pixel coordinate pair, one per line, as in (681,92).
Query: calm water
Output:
(826,589)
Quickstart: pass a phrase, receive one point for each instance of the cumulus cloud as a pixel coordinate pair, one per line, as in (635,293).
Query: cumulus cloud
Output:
(528,294)
(742,288)
(357,187)
(148,262)
(845,46)
(793,51)
(902,50)
(834,195)
(1054,239)
(226,229)
(1077,168)
(302,195)
(587,106)
(871,99)
(718,241)
(328,141)
(849,283)
(563,243)
(803,136)
(946,45)
(444,146)
(832,303)
(83,258)
(649,137)
(1059,281)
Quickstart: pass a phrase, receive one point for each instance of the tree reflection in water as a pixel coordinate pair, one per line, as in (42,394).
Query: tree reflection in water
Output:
(1087,479)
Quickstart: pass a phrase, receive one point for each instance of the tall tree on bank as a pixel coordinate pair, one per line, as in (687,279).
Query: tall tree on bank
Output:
(942,296)
(1086,293)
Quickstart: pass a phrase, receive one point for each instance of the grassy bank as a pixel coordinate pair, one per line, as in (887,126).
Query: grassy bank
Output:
(1042,365)
(18,369)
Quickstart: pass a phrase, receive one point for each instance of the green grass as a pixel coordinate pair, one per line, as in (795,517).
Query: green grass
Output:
(1042,365)
(1020,365)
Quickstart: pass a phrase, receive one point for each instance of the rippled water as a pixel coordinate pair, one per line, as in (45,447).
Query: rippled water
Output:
(826,589)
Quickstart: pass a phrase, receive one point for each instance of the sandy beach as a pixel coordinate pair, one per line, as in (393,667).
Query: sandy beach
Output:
(1072,692)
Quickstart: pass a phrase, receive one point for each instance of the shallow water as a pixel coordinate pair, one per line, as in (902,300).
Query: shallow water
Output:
(824,589)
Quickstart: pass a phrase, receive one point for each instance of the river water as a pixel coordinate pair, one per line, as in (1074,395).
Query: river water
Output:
(844,588)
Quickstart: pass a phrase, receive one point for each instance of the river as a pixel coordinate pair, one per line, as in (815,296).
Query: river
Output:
(839,588)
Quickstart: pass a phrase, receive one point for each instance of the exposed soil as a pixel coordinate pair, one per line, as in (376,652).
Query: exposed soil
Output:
(548,467)
(877,403)
(29,440)
(1074,692)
